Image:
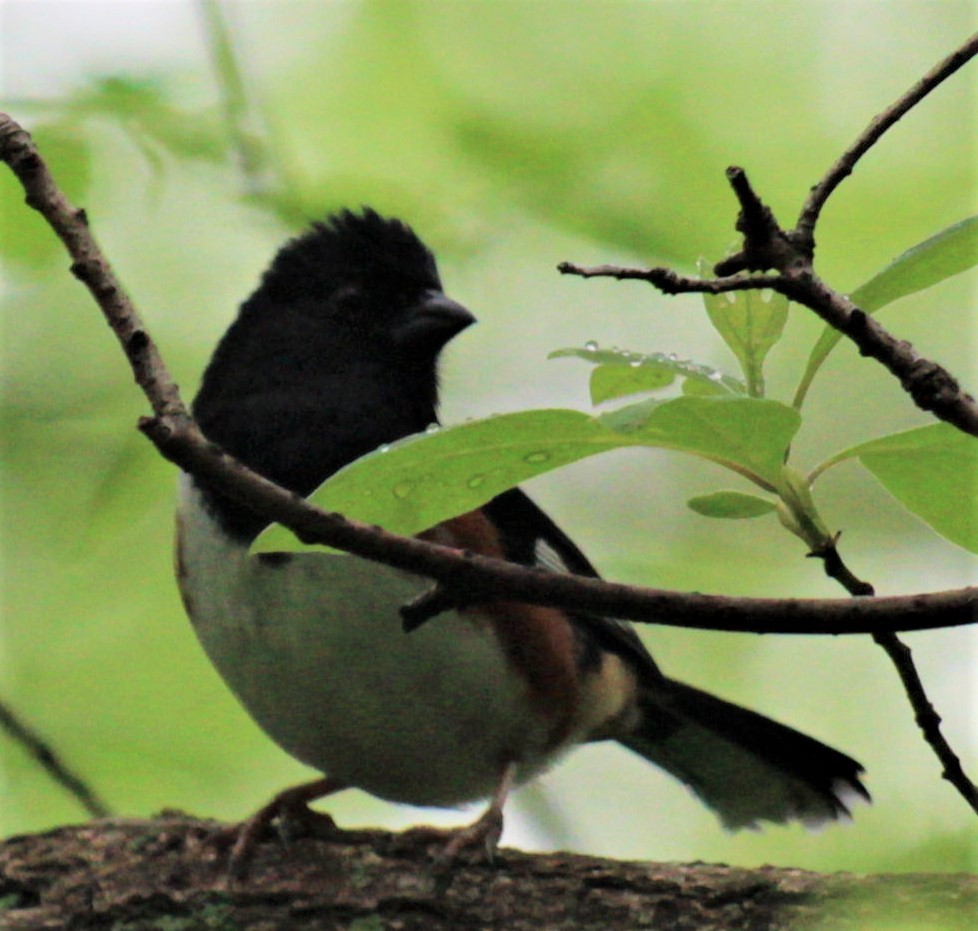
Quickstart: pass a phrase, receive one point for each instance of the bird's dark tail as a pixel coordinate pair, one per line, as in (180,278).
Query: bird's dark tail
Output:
(744,766)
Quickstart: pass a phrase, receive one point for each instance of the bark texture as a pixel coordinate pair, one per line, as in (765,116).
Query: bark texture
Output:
(168,874)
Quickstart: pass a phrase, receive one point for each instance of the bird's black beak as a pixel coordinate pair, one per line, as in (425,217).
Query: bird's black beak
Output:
(433,321)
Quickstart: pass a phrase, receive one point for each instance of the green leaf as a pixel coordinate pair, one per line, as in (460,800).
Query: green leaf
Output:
(424,479)
(950,252)
(730,505)
(750,322)
(616,381)
(751,436)
(933,472)
(621,373)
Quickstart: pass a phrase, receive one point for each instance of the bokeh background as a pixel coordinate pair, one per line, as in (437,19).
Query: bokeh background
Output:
(512,135)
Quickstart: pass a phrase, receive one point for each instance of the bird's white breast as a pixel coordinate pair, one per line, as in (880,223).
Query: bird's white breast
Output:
(312,645)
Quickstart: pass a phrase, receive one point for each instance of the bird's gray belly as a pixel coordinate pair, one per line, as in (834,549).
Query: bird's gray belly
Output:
(312,646)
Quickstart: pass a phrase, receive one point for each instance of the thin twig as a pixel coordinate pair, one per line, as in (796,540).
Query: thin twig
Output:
(842,168)
(51,763)
(667,280)
(90,266)
(926,717)
(928,720)
(836,569)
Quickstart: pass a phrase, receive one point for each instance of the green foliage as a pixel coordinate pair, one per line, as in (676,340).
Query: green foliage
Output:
(750,322)
(932,471)
(144,108)
(730,505)
(410,486)
(950,252)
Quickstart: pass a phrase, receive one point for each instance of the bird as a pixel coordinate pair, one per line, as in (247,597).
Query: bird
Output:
(334,355)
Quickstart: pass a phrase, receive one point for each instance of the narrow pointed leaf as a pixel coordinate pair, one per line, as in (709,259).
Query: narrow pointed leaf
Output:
(948,253)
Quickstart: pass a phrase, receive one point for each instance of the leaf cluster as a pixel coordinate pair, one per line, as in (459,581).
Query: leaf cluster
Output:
(727,419)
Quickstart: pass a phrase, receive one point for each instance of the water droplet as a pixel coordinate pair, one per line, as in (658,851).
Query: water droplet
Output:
(591,346)
(403,489)
(384,448)
(476,480)
(539,456)
(432,428)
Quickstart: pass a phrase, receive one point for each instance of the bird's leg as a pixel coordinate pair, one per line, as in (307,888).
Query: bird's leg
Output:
(290,808)
(487,830)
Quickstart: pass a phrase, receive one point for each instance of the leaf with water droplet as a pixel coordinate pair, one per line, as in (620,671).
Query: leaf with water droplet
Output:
(428,478)
(431,477)
(402,489)
(620,373)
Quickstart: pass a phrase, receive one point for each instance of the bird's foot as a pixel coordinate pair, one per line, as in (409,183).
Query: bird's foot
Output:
(289,811)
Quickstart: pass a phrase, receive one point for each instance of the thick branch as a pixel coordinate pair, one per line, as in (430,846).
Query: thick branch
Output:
(929,384)
(476,577)
(156,874)
(791,253)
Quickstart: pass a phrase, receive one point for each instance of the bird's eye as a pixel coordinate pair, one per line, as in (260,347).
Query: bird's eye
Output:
(348,297)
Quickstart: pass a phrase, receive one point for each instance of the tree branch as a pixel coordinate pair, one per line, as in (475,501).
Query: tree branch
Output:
(179,439)
(479,578)
(51,763)
(790,253)
(925,715)
(820,193)
(927,718)
(157,874)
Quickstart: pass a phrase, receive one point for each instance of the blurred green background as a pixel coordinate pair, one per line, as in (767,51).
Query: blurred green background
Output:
(512,135)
